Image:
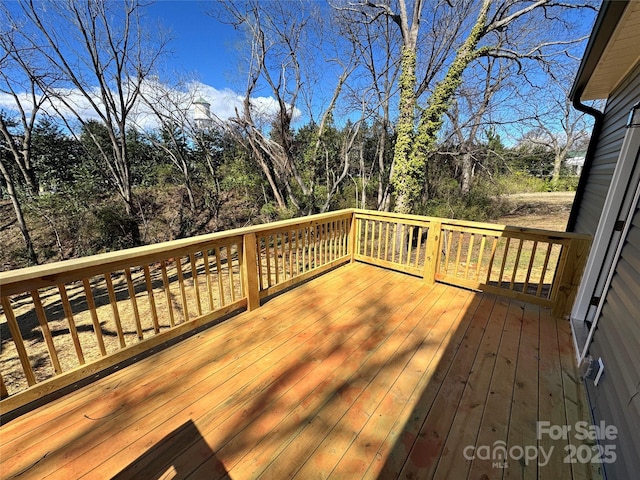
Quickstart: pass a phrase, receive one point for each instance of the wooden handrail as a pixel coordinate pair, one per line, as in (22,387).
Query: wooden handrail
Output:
(148,295)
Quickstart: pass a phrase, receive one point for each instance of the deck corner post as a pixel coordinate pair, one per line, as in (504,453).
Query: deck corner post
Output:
(431,253)
(570,276)
(250,270)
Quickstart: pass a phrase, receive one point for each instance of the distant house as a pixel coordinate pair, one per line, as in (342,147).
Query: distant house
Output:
(606,314)
(575,161)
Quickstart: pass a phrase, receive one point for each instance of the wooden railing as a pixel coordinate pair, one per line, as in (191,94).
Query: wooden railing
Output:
(537,266)
(66,321)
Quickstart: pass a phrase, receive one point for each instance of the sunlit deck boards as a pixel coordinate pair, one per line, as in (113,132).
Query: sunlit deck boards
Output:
(360,373)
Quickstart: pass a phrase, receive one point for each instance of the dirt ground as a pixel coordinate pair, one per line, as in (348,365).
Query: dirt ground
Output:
(545,210)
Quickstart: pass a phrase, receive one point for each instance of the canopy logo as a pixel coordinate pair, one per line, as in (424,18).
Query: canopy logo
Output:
(572,438)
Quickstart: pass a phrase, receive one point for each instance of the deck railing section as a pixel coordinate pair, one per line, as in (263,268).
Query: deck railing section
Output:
(537,266)
(291,253)
(390,241)
(74,318)
(65,321)
(68,320)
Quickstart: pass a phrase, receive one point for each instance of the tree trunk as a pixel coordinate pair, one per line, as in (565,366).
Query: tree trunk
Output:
(467,172)
(31,254)
(410,169)
(405,128)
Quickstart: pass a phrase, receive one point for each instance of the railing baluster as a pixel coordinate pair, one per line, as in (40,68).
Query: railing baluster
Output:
(18,341)
(480,256)
(230,272)
(545,265)
(304,238)
(88,293)
(386,241)
(167,292)
(194,279)
(393,242)
(458,252)
(449,234)
(333,248)
(295,252)
(530,267)
(402,243)
(267,248)
(409,244)
(207,272)
(275,257)
(327,243)
(494,248)
(366,235)
(290,242)
(46,333)
(418,246)
(504,261)
(183,292)
(152,301)
(318,243)
(218,254)
(515,265)
(469,255)
(66,306)
(134,302)
(114,306)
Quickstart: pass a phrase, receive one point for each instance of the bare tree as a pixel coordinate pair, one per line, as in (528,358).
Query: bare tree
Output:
(557,125)
(283,39)
(172,108)
(373,88)
(100,55)
(18,80)
(20,77)
(479,28)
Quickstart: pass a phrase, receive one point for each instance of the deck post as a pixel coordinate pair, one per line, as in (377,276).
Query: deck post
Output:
(250,270)
(431,252)
(570,275)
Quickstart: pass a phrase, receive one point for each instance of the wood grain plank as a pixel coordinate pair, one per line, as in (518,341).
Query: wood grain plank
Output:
(425,375)
(468,419)
(550,399)
(524,413)
(497,414)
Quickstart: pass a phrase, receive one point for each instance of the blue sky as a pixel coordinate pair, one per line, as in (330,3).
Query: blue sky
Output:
(200,44)
(203,50)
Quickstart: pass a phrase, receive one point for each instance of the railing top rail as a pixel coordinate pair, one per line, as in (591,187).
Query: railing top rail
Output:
(104,260)
(480,225)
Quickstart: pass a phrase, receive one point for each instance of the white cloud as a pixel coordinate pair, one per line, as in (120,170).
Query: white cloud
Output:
(223,103)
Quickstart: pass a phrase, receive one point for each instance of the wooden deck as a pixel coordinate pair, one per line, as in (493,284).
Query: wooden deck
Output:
(359,373)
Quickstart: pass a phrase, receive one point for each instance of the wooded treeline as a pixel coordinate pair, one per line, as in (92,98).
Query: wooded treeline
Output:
(423,107)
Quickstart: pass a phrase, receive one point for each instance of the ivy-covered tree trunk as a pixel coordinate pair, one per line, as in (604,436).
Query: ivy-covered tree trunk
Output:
(403,174)
(409,174)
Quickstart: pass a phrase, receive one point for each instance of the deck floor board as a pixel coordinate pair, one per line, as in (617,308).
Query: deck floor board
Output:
(359,373)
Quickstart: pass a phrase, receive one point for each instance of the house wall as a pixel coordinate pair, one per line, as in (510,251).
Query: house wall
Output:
(616,398)
(611,136)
